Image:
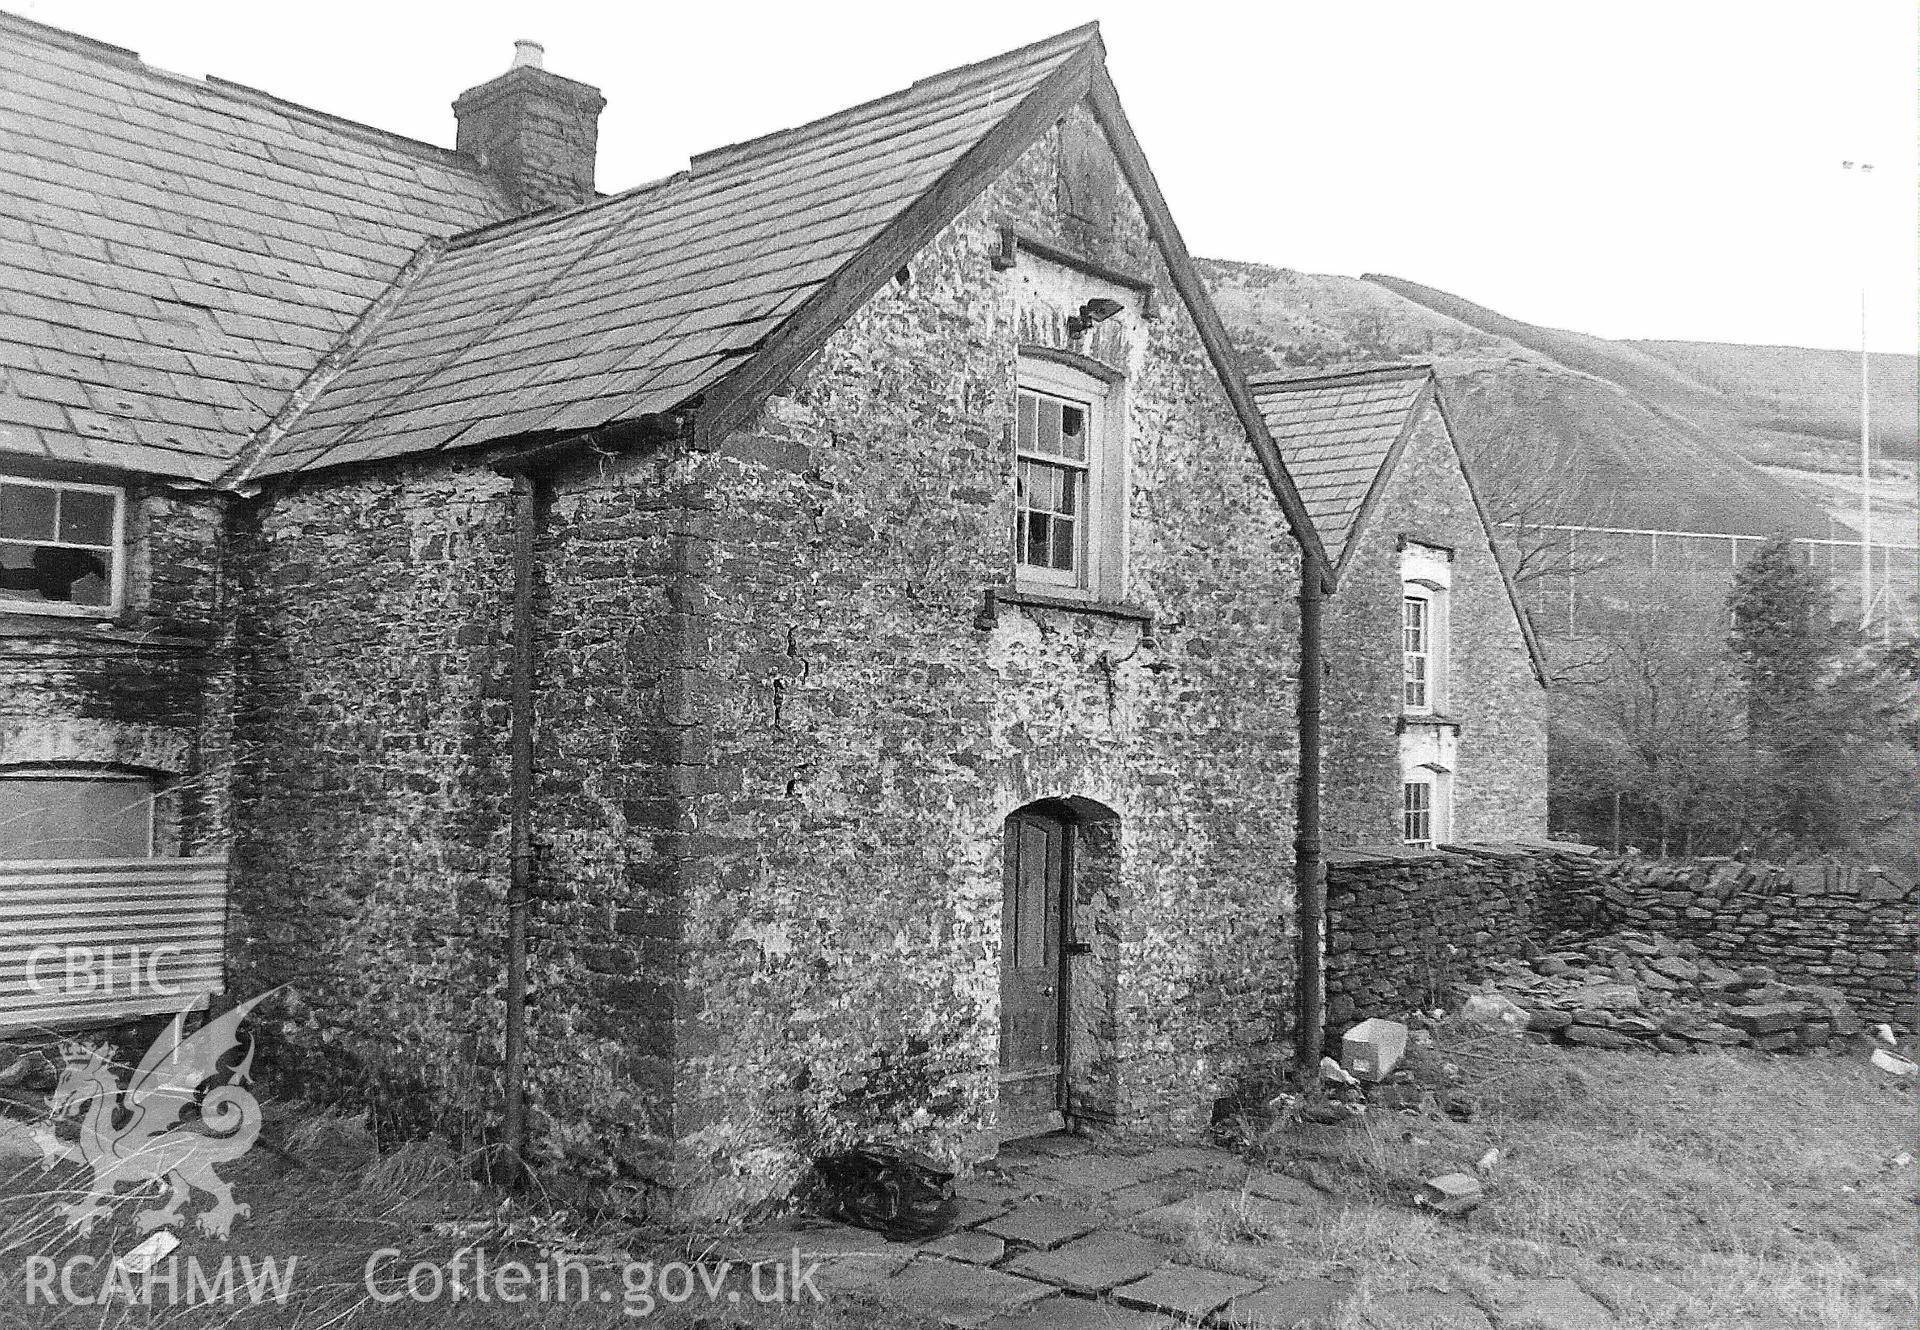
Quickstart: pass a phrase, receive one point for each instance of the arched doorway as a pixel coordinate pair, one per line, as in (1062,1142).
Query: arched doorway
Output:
(1055,976)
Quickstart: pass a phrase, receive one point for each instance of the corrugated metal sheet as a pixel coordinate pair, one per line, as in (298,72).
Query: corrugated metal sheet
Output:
(147,936)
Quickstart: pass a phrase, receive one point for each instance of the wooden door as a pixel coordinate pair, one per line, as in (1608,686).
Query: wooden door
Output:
(1033,975)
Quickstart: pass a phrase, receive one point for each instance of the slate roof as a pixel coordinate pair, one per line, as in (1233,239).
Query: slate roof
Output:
(320,293)
(1341,432)
(177,255)
(1337,432)
(628,306)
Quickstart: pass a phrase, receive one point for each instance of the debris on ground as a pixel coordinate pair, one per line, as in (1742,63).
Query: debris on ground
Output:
(1450,1193)
(1334,1074)
(1373,1048)
(901,1193)
(1894,1063)
(31,1071)
(1494,1009)
(1634,990)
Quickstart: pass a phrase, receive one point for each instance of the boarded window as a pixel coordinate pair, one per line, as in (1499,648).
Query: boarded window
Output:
(67,814)
(59,544)
(1089,179)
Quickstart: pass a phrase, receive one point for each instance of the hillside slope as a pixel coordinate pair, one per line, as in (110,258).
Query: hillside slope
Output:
(1668,435)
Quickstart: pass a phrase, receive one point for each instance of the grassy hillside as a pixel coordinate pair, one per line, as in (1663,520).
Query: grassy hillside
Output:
(1673,435)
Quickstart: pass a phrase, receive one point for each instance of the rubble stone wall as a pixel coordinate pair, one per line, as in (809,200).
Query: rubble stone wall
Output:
(779,728)
(371,816)
(148,687)
(1406,928)
(872,724)
(1493,693)
(1843,926)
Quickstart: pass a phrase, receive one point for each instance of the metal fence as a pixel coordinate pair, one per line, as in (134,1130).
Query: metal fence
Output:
(1611,574)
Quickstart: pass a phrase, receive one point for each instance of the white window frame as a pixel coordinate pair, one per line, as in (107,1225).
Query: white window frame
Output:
(1426,574)
(1100,570)
(117,552)
(98,775)
(1408,784)
(1416,667)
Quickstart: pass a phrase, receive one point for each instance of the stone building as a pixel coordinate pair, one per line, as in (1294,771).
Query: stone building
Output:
(800,652)
(1436,706)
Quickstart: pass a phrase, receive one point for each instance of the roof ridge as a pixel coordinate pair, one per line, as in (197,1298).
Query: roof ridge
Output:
(34,30)
(1318,378)
(1059,43)
(705,163)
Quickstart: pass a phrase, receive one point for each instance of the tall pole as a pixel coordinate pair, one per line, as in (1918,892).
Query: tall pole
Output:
(1866,425)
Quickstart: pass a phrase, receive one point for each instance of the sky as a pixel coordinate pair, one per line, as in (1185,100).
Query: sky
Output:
(1643,168)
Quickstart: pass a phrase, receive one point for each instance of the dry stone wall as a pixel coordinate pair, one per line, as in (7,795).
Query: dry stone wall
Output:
(1843,926)
(1409,928)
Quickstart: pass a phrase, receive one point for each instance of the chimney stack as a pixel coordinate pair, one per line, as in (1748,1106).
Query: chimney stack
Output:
(534,131)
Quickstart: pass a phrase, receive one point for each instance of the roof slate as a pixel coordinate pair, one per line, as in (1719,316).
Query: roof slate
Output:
(177,254)
(631,305)
(1336,431)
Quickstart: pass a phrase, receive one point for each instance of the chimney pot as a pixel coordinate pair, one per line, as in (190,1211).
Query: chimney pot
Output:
(529,55)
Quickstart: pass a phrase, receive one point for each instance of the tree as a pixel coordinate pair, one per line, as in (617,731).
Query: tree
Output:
(1830,716)
(1649,746)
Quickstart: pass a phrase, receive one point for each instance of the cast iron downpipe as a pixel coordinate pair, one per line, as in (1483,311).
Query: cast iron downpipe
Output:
(513,1123)
(1309,874)
(522,466)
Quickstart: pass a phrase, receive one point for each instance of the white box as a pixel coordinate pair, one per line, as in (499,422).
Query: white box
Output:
(1373,1048)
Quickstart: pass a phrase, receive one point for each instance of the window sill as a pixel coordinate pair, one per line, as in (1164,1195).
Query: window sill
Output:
(94,630)
(994,597)
(1410,719)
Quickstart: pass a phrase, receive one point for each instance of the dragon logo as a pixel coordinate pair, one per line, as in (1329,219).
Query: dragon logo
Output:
(139,1136)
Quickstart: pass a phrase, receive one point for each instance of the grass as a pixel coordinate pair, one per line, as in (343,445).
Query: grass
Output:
(1735,1190)
(322,1192)
(1706,1192)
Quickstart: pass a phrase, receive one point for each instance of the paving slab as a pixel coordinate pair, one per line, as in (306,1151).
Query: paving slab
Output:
(1054,1145)
(772,1244)
(1297,1304)
(1065,1313)
(1282,1187)
(1220,1166)
(969,1212)
(959,1294)
(1550,1304)
(1185,1291)
(1096,1172)
(861,1269)
(1426,1311)
(1152,1195)
(1039,1226)
(989,1189)
(974,1248)
(1095,1263)
(1228,1211)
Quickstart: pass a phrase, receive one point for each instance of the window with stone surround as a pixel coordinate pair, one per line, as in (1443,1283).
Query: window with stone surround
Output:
(1417,820)
(60,546)
(1426,587)
(1416,650)
(1069,473)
